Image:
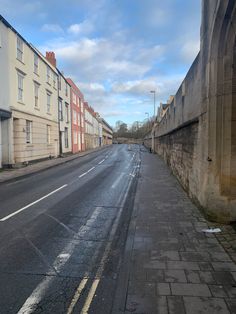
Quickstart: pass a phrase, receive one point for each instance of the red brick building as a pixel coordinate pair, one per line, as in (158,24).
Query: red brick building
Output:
(77,117)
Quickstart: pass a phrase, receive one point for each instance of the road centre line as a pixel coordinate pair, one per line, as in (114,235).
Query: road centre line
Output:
(33,203)
(101,161)
(90,169)
(83,174)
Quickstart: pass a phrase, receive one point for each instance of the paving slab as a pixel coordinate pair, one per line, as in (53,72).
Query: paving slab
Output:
(174,267)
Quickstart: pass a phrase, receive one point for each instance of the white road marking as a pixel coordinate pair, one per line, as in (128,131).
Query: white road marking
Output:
(101,161)
(90,169)
(82,175)
(33,203)
(36,296)
(117,181)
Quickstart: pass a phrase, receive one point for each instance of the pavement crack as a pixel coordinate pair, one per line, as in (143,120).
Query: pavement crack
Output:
(39,253)
(71,231)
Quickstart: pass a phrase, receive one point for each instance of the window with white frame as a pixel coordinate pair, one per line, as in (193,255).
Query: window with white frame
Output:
(74,98)
(66,138)
(67,112)
(60,110)
(28,132)
(48,102)
(66,90)
(82,138)
(36,95)
(79,119)
(82,121)
(74,117)
(36,64)
(48,74)
(20,78)
(48,134)
(19,48)
(82,106)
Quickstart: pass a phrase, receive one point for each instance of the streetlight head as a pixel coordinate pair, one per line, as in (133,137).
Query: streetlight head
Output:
(152,91)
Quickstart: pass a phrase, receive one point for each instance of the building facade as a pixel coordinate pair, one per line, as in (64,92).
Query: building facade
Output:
(32,99)
(6,145)
(64,110)
(77,117)
(89,132)
(107,133)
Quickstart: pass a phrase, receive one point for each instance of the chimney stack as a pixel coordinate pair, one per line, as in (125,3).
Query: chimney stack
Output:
(50,56)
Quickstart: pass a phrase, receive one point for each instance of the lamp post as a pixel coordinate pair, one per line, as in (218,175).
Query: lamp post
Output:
(154,98)
(147,113)
(153,131)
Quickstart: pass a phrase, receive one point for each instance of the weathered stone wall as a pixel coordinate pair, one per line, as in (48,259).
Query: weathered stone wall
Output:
(196,137)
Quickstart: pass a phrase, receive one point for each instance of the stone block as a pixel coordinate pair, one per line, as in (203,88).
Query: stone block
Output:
(197,305)
(189,289)
(176,305)
(175,275)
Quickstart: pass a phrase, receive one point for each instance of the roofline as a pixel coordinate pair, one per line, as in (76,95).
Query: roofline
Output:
(31,46)
(107,125)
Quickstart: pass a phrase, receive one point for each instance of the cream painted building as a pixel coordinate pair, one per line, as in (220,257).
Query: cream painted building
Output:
(5,114)
(64,115)
(31,93)
(95,131)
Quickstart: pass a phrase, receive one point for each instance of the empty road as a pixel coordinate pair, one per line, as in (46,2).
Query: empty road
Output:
(62,233)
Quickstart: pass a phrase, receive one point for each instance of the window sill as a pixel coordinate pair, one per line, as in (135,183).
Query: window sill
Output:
(49,84)
(28,145)
(49,113)
(20,102)
(36,74)
(37,108)
(20,61)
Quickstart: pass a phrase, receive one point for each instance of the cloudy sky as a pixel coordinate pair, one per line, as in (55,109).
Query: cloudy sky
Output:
(115,50)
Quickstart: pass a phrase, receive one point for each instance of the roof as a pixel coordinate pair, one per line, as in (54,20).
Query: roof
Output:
(75,87)
(31,46)
(104,122)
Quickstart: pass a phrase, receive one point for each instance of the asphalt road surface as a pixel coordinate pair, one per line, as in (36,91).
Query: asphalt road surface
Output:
(62,234)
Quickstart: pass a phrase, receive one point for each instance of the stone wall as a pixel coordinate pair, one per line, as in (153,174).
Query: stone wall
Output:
(196,137)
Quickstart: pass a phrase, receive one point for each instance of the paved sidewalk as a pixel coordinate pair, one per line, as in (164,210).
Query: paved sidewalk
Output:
(11,174)
(171,265)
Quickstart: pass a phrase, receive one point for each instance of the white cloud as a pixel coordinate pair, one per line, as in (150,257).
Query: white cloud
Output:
(21,8)
(52,28)
(158,17)
(190,50)
(83,28)
(98,59)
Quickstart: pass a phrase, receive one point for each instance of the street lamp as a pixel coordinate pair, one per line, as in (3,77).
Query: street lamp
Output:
(154,94)
(147,114)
